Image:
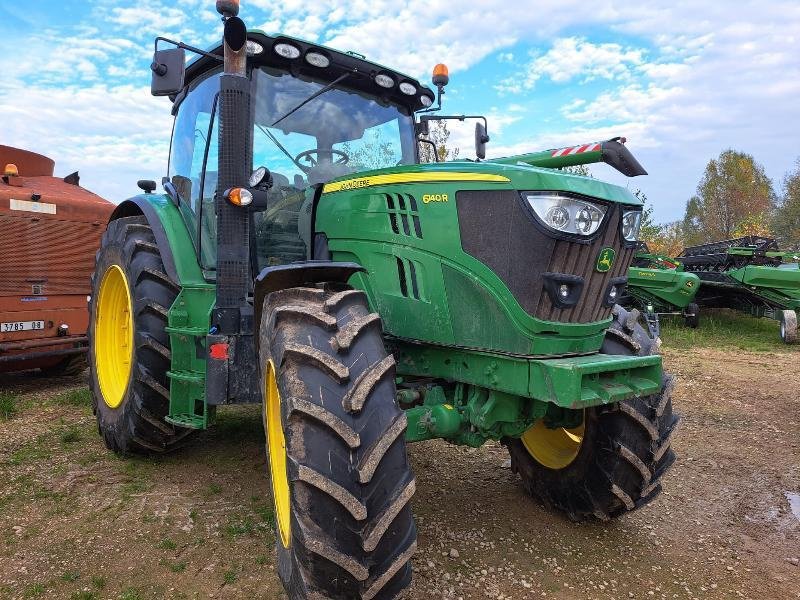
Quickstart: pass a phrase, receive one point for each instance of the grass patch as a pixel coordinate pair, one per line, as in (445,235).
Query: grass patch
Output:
(242,424)
(79,397)
(130,594)
(724,329)
(70,436)
(83,595)
(70,576)
(213,489)
(139,471)
(265,511)
(229,577)
(34,590)
(166,544)
(8,406)
(37,449)
(99,582)
(240,526)
(178,567)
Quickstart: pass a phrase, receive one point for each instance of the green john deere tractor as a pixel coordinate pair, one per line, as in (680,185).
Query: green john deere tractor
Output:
(367,300)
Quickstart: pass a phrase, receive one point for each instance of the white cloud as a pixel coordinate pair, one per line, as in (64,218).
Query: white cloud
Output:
(572,58)
(683,80)
(112,135)
(149,16)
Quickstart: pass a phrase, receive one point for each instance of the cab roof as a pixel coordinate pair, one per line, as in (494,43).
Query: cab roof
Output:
(362,77)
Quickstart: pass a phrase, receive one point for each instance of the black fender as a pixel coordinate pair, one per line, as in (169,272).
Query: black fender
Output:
(309,272)
(140,205)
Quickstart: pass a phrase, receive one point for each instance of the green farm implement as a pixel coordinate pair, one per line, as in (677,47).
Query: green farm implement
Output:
(751,275)
(658,285)
(301,258)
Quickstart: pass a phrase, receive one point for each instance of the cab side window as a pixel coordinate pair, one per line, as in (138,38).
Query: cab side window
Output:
(192,164)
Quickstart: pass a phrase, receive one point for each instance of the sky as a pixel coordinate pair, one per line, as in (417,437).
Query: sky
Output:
(682,80)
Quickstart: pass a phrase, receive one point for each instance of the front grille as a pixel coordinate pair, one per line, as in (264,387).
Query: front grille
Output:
(581,259)
(496,229)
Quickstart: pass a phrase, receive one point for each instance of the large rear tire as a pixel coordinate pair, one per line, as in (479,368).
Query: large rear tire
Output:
(129,349)
(339,472)
(614,460)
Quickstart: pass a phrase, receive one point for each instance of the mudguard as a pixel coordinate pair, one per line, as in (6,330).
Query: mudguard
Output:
(308,272)
(174,242)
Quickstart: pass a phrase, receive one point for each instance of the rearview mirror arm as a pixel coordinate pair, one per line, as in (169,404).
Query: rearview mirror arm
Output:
(183,46)
(456,118)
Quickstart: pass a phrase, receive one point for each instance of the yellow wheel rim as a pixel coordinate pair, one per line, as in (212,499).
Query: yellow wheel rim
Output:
(553,448)
(113,336)
(276,452)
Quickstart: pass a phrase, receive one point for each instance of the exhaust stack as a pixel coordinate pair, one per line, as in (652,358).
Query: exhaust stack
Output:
(232,314)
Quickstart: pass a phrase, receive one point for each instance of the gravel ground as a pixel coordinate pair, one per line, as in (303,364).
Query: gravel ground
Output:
(76,522)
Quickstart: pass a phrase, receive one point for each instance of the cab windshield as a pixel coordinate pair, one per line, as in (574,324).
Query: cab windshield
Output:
(337,133)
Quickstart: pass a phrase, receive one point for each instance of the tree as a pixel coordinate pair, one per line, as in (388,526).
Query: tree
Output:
(649,230)
(786,223)
(670,240)
(370,152)
(733,194)
(439,134)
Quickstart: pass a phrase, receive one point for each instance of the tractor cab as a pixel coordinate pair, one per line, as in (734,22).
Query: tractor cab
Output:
(316,114)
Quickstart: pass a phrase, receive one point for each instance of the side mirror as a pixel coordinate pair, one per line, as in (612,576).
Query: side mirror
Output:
(168,69)
(481,138)
(148,186)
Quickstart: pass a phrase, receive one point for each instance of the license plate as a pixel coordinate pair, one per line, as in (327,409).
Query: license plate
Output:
(21,326)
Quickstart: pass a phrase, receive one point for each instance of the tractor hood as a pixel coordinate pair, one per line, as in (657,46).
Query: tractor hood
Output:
(498,176)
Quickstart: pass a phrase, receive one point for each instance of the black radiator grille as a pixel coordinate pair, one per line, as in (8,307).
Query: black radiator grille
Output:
(496,229)
(581,259)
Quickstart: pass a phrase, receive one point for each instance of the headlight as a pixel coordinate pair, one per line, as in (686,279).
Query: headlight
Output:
(631,222)
(565,213)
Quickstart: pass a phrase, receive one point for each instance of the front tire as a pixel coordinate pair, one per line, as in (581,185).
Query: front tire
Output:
(614,460)
(789,326)
(339,472)
(129,349)
(692,315)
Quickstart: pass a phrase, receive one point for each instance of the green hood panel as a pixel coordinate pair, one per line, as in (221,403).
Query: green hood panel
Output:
(500,176)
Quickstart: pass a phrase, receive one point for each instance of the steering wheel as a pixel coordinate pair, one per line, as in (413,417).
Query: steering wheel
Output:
(310,154)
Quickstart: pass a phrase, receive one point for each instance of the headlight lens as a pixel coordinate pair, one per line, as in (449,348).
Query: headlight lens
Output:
(631,222)
(565,213)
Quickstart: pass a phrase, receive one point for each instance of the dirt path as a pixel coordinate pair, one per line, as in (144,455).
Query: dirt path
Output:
(76,522)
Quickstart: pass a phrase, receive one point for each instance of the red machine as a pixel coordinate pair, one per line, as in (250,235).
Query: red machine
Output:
(50,229)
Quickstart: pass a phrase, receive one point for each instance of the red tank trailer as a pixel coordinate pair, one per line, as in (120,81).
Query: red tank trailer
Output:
(50,229)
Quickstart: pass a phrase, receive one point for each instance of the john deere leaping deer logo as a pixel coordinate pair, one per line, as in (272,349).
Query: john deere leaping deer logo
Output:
(606,259)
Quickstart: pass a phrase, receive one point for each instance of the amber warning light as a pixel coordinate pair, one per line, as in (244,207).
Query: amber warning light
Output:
(441,75)
(239,196)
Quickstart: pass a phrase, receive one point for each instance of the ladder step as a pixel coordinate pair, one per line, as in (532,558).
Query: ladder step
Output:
(188,421)
(193,331)
(188,376)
